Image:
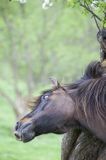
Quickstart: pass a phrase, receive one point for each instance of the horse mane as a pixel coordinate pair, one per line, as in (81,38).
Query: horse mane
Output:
(90,93)
(91,99)
(92,71)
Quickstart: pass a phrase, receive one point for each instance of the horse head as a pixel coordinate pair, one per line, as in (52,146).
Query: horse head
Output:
(53,113)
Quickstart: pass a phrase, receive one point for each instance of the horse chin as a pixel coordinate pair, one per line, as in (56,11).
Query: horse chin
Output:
(28,137)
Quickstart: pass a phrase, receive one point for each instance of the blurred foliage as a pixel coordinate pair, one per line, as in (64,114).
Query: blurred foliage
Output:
(37,44)
(56,42)
(34,45)
(98,7)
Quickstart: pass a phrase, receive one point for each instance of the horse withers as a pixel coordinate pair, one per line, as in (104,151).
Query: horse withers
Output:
(59,109)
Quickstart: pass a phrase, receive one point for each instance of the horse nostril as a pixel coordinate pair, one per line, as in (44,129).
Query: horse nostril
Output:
(17,135)
(18,124)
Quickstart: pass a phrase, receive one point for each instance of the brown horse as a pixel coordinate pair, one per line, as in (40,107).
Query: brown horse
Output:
(59,109)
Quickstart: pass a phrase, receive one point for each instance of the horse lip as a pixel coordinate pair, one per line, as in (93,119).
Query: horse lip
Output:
(18,136)
(25,140)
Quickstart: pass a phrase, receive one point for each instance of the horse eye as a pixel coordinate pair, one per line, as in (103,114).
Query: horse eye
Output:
(46,97)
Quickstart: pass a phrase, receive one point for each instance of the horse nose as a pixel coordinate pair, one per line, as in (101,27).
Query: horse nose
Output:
(17,135)
(18,124)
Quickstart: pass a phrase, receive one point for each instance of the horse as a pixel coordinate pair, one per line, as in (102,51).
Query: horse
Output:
(56,110)
(76,143)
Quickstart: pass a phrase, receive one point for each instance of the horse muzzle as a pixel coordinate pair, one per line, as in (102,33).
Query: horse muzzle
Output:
(24,133)
(17,135)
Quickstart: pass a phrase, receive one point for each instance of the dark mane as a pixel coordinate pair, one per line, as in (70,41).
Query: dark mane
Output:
(91,99)
(90,93)
(93,70)
(46,91)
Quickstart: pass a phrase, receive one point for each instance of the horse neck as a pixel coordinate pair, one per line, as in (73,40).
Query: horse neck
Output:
(79,114)
(74,117)
(94,124)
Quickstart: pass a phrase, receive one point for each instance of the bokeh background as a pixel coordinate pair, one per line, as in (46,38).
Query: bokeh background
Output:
(36,44)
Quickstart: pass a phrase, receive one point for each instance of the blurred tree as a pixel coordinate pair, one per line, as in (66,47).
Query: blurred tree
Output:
(36,44)
(18,56)
(96,8)
(33,46)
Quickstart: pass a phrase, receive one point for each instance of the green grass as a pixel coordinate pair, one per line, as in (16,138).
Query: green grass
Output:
(45,147)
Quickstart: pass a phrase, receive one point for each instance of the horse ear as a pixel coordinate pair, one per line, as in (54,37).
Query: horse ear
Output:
(55,82)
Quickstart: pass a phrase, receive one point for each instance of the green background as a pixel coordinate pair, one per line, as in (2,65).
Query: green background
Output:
(36,44)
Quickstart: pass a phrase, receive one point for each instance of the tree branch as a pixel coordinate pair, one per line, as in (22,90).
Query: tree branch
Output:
(88,9)
(93,16)
(96,23)
(104,20)
(10,101)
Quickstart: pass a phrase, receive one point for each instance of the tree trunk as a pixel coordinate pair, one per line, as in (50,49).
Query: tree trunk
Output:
(78,145)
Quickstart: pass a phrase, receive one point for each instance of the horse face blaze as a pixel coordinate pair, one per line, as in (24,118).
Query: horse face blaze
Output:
(51,115)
